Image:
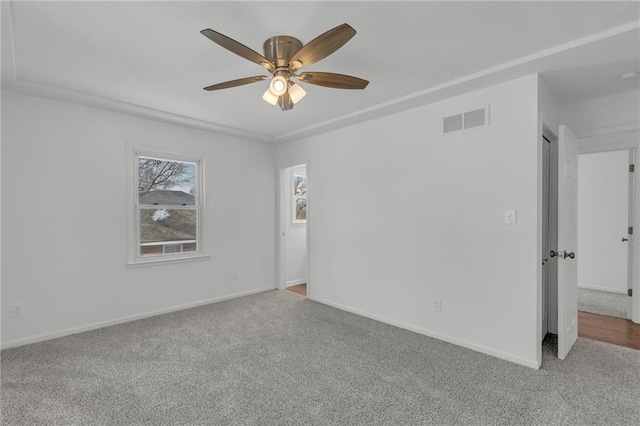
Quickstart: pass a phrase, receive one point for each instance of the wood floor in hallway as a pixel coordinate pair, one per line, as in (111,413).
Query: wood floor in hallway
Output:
(299,288)
(617,331)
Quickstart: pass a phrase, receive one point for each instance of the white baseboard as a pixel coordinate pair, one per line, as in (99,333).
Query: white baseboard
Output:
(459,342)
(607,289)
(102,324)
(295,282)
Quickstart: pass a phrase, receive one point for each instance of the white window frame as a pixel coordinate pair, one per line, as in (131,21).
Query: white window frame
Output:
(134,257)
(295,198)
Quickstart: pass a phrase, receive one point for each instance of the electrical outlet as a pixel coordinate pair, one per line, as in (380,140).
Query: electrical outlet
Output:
(233,275)
(437,305)
(509,217)
(16,311)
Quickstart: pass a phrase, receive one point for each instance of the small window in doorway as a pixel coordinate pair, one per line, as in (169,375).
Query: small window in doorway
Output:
(299,195)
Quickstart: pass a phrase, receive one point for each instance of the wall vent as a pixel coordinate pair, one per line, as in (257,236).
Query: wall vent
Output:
(466,120)
(452,123)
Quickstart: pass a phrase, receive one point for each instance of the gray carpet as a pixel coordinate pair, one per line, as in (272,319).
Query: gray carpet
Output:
(602,303)
(278,359)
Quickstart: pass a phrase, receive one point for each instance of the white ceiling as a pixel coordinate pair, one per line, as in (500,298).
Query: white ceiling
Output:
(150,58)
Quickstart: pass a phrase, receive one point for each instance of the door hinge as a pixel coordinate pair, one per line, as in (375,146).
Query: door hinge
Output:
(632,168)
(630,230)
(630,292)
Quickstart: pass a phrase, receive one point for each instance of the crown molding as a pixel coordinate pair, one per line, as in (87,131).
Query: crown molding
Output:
(482,78)
(13,83)
(113,105)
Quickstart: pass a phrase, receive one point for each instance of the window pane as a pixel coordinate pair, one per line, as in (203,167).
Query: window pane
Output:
(162,230)
(301,209)
(166,182)
(299,185)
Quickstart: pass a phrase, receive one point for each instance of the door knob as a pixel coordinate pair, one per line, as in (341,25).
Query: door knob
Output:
(571,255)
(553,253)
(624,239)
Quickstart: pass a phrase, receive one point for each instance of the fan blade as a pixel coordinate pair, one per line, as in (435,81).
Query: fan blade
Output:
(322,46)
(237,48)
(329,79)
(234,83)
(285,102)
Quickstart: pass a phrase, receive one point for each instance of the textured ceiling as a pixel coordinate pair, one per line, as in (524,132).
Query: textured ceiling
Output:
(151,54)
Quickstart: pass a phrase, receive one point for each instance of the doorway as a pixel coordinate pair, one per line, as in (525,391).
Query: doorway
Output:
(604,214)
(561,322)
(606,217)
(294,259)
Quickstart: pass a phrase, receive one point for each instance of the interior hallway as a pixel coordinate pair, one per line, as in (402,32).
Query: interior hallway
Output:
(617,331)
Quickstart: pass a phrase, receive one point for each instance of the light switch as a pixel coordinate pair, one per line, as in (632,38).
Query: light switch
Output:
(509,217)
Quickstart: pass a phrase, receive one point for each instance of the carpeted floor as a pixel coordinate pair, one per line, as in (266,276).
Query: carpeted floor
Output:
(602,303)
(276,358)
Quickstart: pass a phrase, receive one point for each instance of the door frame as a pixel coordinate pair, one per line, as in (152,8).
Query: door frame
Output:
(545,132)
(631,241)
(624,141)
(602,142)
(282,208)
(546,234)
(552,291)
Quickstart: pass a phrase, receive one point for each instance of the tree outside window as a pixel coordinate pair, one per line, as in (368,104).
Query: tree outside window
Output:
(299,199)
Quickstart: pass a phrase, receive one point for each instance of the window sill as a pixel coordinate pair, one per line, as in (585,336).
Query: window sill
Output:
(158,262)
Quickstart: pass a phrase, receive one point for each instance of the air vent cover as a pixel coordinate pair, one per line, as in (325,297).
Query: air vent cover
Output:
(452,123)
(466,120)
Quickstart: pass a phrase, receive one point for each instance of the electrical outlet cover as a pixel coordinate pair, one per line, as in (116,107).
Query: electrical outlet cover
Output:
(509,217)
(16,311)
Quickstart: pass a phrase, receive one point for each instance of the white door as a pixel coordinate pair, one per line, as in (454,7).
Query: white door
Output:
(567,240)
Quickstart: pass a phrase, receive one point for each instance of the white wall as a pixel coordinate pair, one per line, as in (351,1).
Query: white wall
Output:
(296,236)
(64,210)
(548,106)
(603,193)
(426,221)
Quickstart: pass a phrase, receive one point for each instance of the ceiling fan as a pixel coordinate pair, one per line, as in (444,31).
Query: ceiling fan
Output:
(283,57)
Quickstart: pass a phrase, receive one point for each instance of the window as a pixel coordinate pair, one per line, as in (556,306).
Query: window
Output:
(299,198)
(167,204)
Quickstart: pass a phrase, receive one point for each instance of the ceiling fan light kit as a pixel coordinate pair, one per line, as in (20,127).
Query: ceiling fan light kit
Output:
(296,92)
(283,56)
(278,85)
(270,97)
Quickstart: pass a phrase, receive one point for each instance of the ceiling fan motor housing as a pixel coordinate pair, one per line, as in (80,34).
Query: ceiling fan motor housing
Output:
(280,49)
